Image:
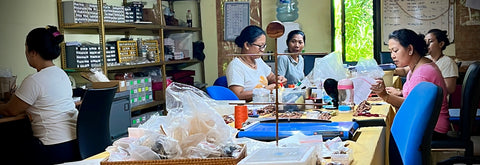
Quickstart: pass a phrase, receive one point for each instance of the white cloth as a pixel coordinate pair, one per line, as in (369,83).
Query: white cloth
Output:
(290,69)
(447,66)
(240,74)
(52,111)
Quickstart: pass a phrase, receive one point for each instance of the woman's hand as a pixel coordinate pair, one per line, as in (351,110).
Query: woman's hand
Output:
(394,91)
(271,87)
(281,80)
(379,88)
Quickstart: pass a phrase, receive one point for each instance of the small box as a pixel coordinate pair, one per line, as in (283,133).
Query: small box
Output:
(158,95)
(119,83)
(280,156)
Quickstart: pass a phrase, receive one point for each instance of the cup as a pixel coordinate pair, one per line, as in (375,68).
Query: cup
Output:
(388,78)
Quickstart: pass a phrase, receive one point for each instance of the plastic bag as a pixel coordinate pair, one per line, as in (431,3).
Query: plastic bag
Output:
(368,68)
(330,66)
(193,119)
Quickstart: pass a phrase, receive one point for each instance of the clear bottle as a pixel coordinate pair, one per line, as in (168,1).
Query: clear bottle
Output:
(189,18)
(287,10)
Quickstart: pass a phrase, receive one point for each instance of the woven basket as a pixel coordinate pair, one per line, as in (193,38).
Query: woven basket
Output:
(206,161)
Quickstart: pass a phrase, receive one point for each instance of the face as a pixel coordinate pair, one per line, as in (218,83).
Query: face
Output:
(434,47)
(399,53)
(29,55)
(296,44)
(257,47)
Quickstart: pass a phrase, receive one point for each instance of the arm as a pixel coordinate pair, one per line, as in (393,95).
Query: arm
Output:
(451,84)
(14,107)
(402,71)
(241,93)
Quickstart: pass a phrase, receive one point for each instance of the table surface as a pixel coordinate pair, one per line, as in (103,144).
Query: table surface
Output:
(369,148)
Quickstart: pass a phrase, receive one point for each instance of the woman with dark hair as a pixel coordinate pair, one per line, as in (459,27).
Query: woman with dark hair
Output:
(244,73)
(409,49)
(292,66)
(46,97)
(437,41)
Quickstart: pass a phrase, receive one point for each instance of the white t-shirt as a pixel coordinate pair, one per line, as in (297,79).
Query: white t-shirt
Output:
(447,66)
(240,74)
(52,111)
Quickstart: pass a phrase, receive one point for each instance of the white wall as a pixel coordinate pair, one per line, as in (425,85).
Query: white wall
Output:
(17,19)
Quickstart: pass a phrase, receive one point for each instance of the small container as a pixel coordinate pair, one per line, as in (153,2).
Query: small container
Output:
(280,156)
(345,95)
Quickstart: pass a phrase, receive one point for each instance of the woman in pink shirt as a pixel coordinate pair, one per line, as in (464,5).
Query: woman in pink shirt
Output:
(409,49)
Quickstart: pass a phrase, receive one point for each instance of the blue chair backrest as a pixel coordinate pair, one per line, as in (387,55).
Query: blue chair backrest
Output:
(413,125)
(221,81)
(221,93)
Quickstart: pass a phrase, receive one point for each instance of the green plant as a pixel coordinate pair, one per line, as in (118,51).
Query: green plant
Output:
(358,29)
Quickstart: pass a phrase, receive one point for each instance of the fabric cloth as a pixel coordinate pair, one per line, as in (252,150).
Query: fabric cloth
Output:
(447,66)
(290,69)
(240,74)
(52,112)
(429,72)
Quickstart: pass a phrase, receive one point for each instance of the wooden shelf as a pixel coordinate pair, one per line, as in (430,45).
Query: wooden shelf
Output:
(148,105)
(121,67)
(181,61)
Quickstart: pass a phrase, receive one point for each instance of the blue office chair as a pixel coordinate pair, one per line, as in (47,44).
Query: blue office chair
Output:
(221,81)
(468,109)
(412,128)
(221,93)
(93,129)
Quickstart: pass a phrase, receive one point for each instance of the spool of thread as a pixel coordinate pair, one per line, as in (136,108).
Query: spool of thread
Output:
(241,115)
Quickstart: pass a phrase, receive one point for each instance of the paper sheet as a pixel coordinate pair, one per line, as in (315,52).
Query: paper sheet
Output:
(361,88)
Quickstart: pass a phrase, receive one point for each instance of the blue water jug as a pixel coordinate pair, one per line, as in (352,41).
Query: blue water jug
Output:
(287,10)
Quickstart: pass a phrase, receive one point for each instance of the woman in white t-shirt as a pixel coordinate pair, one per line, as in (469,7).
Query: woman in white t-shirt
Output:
(46,97)
(244,73)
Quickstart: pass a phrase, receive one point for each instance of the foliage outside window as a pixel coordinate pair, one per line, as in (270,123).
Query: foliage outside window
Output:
(358,25)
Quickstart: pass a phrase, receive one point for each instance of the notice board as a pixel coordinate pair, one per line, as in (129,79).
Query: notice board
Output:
(418,15)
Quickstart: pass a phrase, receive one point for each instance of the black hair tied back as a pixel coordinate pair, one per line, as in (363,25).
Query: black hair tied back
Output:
(57,37)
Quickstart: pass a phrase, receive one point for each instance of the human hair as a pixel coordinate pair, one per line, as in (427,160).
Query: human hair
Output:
(295,32)
(249,34)
(441,35)
(45,41)
(408,37)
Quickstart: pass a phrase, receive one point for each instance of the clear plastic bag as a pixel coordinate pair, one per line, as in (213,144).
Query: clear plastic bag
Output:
(369,68)
(193,119)
(330,66)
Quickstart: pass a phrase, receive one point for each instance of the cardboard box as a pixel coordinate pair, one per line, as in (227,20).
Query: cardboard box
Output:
(118,83)
(158,95)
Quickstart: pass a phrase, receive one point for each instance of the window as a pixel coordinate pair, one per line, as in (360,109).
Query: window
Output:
(355,29)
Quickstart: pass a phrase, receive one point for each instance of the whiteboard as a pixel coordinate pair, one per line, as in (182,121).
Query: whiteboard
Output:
(418,15)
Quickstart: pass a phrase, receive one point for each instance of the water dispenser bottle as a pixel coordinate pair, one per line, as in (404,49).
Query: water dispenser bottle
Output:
(345,95)
(287,10)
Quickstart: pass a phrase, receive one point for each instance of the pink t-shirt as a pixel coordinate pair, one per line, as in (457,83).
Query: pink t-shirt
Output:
(429,72)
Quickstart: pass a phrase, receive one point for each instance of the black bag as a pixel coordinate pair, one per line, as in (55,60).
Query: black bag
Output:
(198,47)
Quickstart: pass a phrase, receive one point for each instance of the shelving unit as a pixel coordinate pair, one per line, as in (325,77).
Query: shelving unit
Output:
(159,30)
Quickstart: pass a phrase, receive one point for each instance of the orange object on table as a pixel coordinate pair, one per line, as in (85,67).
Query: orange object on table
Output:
(241,115)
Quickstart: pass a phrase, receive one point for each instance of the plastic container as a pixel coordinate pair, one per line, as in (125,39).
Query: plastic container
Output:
(287,10)
(345,95)
(280,156)
(189,18)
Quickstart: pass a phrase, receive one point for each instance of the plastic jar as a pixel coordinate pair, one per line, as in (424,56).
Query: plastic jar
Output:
(287,10)
(345,95)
